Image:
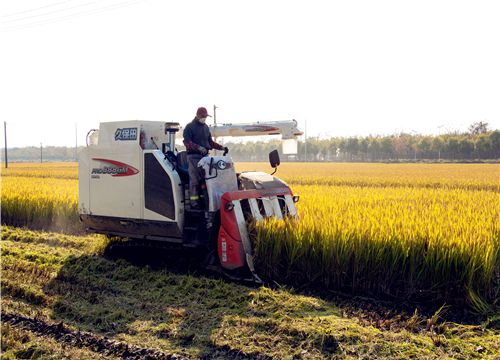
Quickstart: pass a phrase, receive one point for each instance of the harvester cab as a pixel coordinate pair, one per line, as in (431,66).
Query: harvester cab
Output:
(133,183)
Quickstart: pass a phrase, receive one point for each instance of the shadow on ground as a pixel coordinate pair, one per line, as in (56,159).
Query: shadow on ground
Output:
(163,300)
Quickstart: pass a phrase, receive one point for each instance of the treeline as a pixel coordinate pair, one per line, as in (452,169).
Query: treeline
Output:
(400,147)
(37,154)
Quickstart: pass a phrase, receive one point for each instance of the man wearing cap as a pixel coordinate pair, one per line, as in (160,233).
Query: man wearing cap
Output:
(198,142)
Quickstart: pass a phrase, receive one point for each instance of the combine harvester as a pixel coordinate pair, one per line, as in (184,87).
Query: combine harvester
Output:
(133,183)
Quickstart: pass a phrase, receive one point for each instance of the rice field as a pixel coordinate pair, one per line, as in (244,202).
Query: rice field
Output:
(426,232)
(407,243)
(59,170)
(40,202)
(468,176)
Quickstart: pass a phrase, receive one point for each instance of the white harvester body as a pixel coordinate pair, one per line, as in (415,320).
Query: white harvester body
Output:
(133,183)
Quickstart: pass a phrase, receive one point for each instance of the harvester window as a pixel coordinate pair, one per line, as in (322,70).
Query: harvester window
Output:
(158,195)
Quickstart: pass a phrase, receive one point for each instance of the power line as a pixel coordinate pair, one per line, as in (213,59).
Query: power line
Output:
(71,16)
(34,9)
(47,13)
(120,3)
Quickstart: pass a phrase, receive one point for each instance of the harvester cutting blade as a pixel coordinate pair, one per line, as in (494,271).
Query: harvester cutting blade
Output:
(245,239)
(240,209)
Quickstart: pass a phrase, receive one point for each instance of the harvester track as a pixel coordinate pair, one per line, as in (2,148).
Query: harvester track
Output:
(83,339)
(175,258)
(156,254)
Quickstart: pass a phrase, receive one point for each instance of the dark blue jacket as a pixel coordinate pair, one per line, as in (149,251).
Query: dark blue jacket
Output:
(197,134)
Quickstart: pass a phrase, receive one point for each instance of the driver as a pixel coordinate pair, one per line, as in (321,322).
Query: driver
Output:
(198,142)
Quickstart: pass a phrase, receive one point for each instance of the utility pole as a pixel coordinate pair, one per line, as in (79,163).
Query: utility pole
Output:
(415,144)
(5,135)
(215,115)
(76,142)
(41,156)
(305,140)
(215,122)
(440,127)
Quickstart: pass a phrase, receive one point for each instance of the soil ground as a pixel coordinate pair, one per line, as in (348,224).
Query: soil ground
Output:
(62,297)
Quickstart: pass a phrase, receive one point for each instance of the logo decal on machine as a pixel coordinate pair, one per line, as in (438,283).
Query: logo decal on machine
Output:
(222,164)
(261,128)
(126,134)
(116,169)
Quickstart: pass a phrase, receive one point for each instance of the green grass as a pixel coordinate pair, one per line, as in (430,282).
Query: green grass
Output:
(62,278)
(18,343)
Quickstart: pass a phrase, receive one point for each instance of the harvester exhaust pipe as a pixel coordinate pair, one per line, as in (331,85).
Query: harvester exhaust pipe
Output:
(171,128)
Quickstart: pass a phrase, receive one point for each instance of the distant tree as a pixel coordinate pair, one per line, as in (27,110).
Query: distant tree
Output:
(402,146)
(374,148)
(465,148)
(478,127)
(342,143)
(452,148)
(424,146)
(437,146)
(324,149)
(387,147)
(352,147)
(483,146)
(313,149)
(495,144)
(413,144)
(333,145)
(363,148)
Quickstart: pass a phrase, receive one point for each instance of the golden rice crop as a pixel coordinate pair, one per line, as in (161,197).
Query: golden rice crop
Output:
(59,170)
(40,202)
(464,176)
(404,242)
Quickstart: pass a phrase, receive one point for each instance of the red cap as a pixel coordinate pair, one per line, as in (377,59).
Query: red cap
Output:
(202,112)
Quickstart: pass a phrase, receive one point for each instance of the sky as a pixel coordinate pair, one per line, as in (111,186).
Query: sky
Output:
(340,68)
